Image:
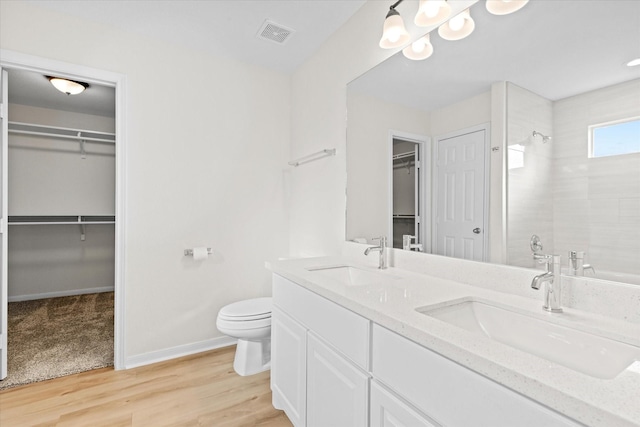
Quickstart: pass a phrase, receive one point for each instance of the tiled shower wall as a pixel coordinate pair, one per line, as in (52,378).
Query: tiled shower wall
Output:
(596,200)
(530,199)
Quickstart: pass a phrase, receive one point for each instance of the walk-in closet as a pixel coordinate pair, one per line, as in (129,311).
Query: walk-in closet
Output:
(61,222)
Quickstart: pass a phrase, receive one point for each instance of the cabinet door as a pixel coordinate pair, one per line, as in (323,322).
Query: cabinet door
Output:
(388,410)
(288,366)
(337,391)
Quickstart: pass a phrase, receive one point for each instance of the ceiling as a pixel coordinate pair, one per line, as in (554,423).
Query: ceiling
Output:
(554,48)
(222,28)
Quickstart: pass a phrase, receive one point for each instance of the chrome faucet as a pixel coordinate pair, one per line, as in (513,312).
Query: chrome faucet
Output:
(552,282)
(382,248)
(577,266)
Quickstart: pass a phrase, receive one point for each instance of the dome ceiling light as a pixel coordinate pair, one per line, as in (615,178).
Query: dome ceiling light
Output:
(70,87)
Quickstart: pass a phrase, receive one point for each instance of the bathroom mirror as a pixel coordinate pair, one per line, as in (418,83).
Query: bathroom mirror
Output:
(564,64)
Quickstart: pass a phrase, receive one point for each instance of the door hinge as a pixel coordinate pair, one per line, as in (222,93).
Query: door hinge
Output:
(2,111)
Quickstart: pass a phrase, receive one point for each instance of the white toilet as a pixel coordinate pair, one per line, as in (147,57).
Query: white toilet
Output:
(250,322)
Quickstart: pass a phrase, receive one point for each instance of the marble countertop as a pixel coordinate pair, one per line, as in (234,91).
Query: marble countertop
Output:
(392,303)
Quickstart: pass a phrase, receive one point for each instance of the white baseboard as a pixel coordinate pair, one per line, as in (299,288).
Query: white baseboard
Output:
(43,295)
(179,351)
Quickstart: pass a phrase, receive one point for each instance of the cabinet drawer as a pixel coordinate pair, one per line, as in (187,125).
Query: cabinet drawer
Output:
(450,393)
(343,329)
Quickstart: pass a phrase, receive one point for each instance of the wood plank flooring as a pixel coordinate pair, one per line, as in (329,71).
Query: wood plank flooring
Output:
(197,390)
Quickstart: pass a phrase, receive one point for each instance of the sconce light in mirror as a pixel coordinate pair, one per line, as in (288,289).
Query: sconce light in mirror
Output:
(394,34)
(70,87)
(419,49)
(505,7)
(432,12)
(458,27)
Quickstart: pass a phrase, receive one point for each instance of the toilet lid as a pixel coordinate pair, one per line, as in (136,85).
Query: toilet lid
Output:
(256,308)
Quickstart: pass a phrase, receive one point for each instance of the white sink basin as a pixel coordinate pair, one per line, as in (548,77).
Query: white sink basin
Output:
(581,351)
(353,276)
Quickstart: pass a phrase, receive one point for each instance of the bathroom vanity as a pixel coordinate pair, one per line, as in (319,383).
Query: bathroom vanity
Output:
(356,346)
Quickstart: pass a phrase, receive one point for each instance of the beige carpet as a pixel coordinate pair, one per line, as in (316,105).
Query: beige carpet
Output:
(53,337)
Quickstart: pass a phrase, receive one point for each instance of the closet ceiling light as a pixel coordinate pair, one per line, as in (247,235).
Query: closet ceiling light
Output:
(458,27)
(419,49)
(505,7)
(69,87)
(394,34)
(432,12)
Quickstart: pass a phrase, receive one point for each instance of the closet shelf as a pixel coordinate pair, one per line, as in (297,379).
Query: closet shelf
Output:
(61,219)
(401,156)
(403,216)
(62,132)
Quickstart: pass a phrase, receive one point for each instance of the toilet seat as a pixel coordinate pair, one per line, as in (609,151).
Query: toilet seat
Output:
(243,325)
(251,309)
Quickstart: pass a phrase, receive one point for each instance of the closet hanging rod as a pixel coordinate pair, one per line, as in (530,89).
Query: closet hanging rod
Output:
(312,157)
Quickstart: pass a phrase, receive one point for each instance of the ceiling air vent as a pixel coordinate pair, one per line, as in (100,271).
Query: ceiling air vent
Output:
(273,32)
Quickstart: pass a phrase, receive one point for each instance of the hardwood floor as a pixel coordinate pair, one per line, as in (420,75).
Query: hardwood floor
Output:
(197,390)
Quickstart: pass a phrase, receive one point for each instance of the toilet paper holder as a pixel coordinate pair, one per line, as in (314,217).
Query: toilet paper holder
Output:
(189,252)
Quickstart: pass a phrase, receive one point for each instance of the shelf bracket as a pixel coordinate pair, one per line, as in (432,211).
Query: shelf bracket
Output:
(83,153)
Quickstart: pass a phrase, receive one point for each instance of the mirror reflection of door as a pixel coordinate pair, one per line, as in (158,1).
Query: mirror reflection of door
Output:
(406,195)
(460,218)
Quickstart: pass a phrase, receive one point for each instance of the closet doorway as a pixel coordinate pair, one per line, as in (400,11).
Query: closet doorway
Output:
(409,191)
(61,239)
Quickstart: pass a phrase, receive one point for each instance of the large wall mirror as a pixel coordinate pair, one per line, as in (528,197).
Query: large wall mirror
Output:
(554,76)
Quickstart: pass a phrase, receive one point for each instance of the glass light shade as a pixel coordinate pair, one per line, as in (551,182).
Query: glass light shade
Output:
(419,49)
(458,27)
(505,7)
(432,12)
(394,34)
(68,86)
(633,62)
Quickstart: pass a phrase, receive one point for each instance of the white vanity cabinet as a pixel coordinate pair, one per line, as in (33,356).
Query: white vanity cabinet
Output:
(331,367)
(319,359)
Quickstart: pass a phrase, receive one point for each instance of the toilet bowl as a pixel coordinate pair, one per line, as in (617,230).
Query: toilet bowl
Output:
(250,322)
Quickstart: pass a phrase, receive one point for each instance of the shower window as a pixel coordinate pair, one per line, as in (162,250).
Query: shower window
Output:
(615,138)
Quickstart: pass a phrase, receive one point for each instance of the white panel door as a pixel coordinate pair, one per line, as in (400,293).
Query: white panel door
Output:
(4,143)
(337,391)
(288,366)
(459,222)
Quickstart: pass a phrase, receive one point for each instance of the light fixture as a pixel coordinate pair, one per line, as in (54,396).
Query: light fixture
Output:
(419,49)
(394,34)
(633,62)
(458,27)
(505,7)
(70,87)
(432,12)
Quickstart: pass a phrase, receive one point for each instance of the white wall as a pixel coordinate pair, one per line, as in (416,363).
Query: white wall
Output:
(530,198)
(368,155)
(205,161)
(48,176)
(596,201)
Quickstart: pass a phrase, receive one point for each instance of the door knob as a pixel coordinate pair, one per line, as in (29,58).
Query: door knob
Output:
(476,230)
